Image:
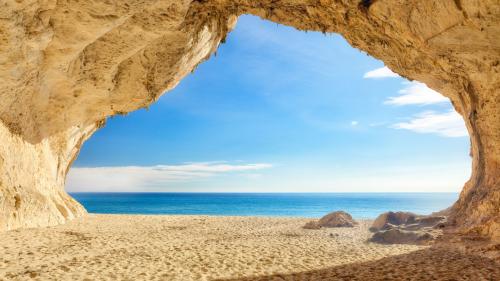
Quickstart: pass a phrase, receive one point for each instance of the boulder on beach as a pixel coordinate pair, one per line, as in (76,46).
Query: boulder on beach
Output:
(399,236)
(390,219)
(337,219)
(406,228)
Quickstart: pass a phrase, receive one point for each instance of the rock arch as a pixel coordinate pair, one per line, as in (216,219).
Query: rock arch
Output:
(67,65)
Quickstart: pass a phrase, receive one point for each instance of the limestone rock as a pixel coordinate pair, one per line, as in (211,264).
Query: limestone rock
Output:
(337,219)
(406,228)
(334,219)
(399,236)
(386,220)
(65,66)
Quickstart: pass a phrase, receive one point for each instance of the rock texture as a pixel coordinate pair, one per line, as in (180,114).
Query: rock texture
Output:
(386,220)
(65,66)
(406,228)
(400,236)
(334,219)
(337,219)
(32,178)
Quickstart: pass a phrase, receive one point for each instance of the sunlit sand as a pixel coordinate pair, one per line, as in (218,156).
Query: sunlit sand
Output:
(182,248)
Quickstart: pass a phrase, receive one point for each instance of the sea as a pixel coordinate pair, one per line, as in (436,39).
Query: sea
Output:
(310,205)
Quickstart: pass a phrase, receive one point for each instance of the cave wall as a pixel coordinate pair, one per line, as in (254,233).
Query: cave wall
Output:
(65,66)
(32,178)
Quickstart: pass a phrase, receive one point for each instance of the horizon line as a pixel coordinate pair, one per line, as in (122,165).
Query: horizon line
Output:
(244,192)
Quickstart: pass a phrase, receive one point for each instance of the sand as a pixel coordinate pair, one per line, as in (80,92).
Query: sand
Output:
(124,247)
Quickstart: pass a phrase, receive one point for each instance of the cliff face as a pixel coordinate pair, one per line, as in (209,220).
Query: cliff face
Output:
(67,65)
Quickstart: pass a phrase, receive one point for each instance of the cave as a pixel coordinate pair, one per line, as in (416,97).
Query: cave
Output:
(68,65)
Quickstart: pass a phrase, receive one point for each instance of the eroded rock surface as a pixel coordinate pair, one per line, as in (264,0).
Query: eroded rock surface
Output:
(386,220)
(337,219)
(407,228)
(333,219)
(65,66)
(401,236)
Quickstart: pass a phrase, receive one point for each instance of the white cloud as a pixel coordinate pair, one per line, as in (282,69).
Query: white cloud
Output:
(140,178)
(449,124)
(383,72)
(416,93)
(354,123)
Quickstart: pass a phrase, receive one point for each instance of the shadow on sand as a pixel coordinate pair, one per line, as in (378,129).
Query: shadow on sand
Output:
(436,263)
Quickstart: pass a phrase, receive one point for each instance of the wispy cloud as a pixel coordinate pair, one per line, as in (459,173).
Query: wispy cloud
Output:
(135,178)
(383,72)
(449,124)
(416,93)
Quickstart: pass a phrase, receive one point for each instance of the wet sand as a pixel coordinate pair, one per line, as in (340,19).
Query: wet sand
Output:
(124,247)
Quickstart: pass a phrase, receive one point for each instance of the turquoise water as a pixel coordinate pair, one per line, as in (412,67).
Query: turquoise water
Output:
(313,205)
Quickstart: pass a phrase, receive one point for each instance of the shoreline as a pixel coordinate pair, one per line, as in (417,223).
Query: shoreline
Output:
(310,205)
(370,220)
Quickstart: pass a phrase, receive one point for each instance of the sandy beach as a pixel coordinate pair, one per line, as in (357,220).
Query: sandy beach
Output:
(125,247)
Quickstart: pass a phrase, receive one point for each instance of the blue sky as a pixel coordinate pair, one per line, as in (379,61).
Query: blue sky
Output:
(281,110)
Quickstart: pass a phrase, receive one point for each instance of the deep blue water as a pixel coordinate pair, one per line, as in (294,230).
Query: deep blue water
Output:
(359,205)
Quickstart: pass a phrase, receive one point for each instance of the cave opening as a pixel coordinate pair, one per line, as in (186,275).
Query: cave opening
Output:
(281,110)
